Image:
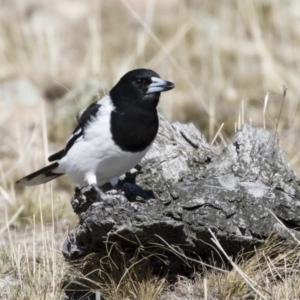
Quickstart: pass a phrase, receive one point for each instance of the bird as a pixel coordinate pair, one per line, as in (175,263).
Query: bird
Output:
(112,136)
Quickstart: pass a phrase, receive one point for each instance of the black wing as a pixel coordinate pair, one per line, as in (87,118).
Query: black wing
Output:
(83,121)
(56,156)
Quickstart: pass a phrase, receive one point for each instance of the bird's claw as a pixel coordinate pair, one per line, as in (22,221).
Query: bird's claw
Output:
(112,194)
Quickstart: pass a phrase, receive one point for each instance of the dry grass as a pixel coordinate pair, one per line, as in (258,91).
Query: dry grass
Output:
(273,270)
(223,57)
(32,267)
(118,275)
(30,262)
(216,54)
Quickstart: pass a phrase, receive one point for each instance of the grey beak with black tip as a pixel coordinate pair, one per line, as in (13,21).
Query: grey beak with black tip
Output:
(159,85)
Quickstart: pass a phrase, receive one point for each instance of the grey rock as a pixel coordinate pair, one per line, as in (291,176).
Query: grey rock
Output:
(183,188)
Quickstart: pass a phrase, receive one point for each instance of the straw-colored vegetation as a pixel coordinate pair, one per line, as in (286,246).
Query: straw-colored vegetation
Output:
(224,57)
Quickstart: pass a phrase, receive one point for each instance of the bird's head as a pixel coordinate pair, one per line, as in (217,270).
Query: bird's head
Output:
(139,87)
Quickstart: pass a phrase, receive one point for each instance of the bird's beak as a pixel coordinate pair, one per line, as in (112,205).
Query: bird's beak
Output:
(159,85)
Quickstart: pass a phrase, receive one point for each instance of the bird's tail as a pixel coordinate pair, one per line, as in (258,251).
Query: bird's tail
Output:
(41,176)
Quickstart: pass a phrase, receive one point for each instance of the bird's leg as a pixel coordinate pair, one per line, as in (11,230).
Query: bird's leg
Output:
(117,190)
(100,193)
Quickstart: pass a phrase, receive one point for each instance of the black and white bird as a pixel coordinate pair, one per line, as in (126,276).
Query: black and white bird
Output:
(112,136)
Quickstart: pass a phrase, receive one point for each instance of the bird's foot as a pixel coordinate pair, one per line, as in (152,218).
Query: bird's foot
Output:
(115,192)
(111,194)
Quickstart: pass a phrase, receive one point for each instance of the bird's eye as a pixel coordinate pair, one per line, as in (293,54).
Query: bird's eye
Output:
(139,82)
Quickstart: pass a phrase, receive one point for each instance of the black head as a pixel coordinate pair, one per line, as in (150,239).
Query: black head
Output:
(140,87)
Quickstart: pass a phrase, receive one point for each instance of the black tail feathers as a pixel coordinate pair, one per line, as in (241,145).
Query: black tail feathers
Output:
(41,176)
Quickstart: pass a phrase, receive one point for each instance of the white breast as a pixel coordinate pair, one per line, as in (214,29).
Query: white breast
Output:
(96,153)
